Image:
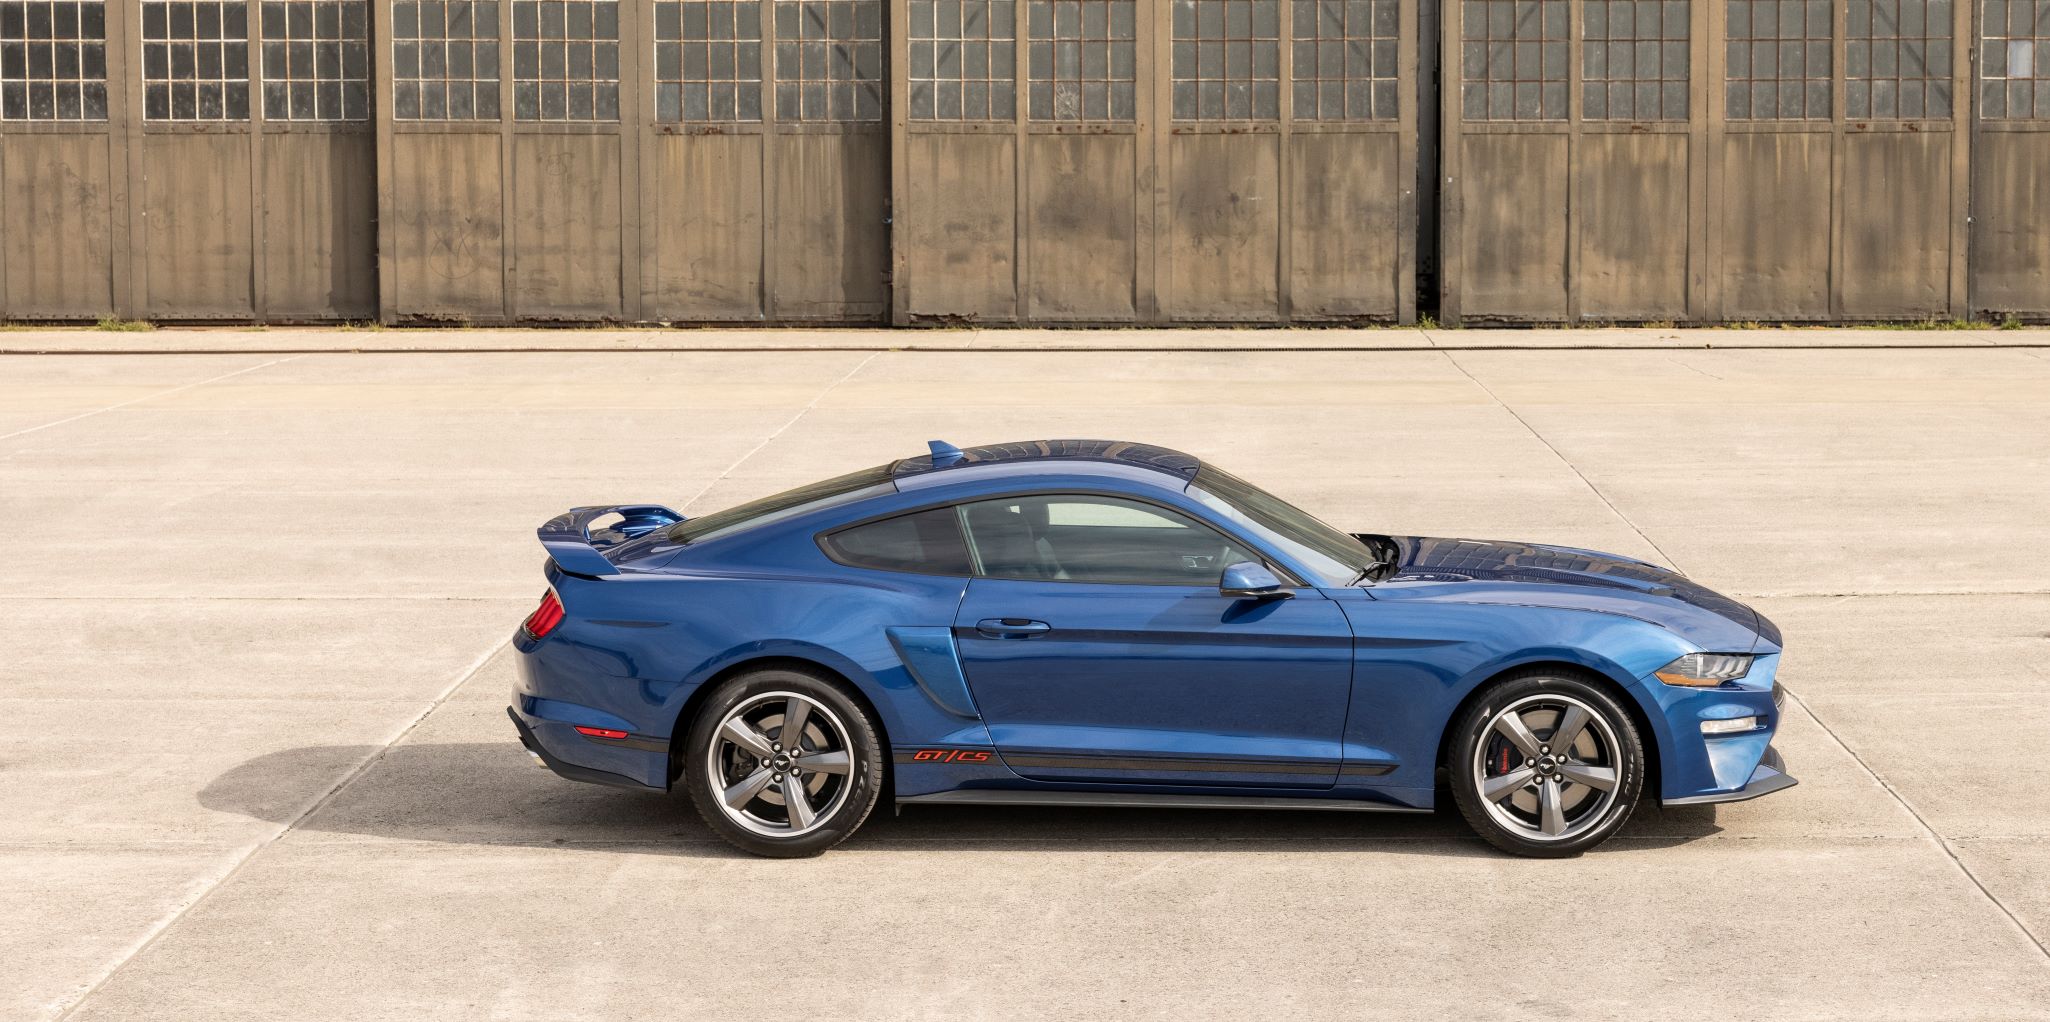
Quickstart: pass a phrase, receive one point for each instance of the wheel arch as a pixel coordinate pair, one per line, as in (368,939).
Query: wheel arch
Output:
(687,714)
(1632,705)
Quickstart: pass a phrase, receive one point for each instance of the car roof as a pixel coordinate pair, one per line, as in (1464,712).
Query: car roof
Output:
(1063,456)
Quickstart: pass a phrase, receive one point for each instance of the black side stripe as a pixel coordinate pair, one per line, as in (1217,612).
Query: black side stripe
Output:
(1187,764)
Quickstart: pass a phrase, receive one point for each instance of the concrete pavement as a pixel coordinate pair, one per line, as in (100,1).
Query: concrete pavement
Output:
(256,764)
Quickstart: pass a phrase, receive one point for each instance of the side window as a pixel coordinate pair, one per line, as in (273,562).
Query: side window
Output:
(1095,539)
(928,542)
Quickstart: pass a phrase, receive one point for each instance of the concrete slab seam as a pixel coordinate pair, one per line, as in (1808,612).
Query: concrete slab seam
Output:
(1939,840)
(198,892)
(780,430)
(153,395)
(1563,460)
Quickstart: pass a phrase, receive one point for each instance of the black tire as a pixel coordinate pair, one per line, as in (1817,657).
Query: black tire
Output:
(761,689)
(1507,824)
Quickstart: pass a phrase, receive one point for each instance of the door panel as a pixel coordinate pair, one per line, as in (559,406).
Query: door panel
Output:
(1144,684)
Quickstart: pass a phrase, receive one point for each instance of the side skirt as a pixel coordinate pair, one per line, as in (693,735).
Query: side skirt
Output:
(1143,800)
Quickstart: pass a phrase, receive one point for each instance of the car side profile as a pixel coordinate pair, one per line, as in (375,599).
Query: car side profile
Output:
(1087,622)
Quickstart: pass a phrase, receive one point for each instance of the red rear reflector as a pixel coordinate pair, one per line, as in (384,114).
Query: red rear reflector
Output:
(545,617)
(600,732)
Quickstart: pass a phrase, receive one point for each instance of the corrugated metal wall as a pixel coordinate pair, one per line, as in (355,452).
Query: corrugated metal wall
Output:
(1021,161)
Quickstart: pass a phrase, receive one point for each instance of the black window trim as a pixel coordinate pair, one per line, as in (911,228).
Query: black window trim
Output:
(1288,575)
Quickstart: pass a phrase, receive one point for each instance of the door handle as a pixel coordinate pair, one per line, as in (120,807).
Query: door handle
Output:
(1010,628)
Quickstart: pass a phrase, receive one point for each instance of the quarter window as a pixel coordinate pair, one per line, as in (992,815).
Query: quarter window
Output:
(927,542)
(1095,539)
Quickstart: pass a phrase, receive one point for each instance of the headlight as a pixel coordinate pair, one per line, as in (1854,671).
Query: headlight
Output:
(1705,669)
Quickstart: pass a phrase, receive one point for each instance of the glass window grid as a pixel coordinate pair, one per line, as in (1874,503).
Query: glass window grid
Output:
(566,60)
(708,60)
(1778,60)
(963,60)
(829,60)
(1634,59)
(53,60)
(195,60)
(1083,60)
(1346,59)
(1513,60)
(2014,60)
(445,60)
(316,60)
(1227,60)
(1897,59)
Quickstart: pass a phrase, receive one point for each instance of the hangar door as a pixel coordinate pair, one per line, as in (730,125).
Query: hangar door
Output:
(1108,161)
(1698,160)
(189,160)
(697,160)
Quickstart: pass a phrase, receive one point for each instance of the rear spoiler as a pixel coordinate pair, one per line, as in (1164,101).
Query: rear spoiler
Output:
(577,549)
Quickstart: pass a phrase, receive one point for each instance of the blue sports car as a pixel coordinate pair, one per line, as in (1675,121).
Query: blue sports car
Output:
(1088,622)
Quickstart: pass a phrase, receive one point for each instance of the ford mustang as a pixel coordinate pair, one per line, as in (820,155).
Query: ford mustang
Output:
(1084,622)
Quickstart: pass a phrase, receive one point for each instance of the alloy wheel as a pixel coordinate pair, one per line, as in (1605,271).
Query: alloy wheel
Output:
(780,764)
(1546,767)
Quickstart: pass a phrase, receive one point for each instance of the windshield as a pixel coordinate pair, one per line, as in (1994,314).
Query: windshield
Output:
(1336,558)
(789,504)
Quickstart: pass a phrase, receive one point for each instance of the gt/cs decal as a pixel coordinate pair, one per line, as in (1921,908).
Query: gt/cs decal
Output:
(950,756)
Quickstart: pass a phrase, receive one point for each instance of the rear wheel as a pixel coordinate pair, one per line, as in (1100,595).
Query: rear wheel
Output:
(1546,765)
(783,763)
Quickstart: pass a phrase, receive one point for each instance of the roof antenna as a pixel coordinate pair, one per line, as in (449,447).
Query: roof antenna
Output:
(943,453)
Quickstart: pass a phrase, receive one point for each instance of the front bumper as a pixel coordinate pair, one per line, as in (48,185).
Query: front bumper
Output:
(1770,776)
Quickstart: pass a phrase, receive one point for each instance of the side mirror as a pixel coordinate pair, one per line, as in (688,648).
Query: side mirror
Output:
(1250,580)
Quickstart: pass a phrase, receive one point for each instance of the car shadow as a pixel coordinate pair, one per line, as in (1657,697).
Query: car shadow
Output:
(491,794)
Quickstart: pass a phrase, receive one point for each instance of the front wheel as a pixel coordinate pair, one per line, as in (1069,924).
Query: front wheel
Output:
(1546,765)
(783,763)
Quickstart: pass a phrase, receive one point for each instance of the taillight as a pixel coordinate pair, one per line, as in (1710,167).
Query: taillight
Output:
(545,617)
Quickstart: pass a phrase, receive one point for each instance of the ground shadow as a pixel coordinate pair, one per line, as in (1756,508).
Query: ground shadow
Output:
(490,794)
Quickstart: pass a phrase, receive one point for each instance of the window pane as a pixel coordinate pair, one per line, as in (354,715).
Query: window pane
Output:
(1522,41)
(53,60)
(1778,59)
(444,60)
(1083,59)
(1640,48)
(2013,63)
(708,60)
(829,60)
(315,60)
(1095,539)
(1228,51)
(928,542)
(575,72)
(204,67)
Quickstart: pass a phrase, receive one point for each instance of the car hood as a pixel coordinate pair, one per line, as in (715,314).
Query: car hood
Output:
(1494,571)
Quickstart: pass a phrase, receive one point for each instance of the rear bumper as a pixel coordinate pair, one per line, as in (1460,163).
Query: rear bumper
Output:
(571,771)
(1770,776)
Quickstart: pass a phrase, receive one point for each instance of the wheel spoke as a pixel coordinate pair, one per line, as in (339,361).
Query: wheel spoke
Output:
(1571,723)
(745,792)
(1511,727)
(1551,816)
(825,762)
(1600,778)
(736,731)
(795,713)
(1495,789)
(799,802)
